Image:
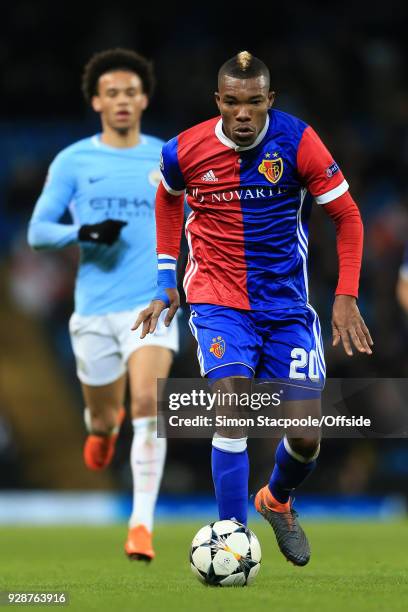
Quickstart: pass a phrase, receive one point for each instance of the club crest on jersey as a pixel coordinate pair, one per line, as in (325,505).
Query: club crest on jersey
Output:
(217,347)
(154,177)
(272,168)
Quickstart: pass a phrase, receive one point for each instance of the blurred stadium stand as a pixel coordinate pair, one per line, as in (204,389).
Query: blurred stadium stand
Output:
(343,73)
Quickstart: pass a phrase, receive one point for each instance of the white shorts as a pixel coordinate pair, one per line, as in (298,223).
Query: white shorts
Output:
(102,344)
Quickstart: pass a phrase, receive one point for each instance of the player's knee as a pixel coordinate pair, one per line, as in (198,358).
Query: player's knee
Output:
(305,447)
(143,405)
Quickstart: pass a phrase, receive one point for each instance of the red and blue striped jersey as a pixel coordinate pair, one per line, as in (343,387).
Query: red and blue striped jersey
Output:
(248,229)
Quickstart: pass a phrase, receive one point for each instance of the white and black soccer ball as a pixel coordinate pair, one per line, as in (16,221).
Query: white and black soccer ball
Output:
(225,553)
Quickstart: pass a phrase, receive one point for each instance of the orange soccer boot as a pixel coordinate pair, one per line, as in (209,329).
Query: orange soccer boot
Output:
(283,519)
(99,449)
(138,546)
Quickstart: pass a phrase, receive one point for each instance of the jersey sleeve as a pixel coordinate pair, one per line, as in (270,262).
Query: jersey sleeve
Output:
(169,222)
(317,169)
(44,230)
(172,177)
(349,237)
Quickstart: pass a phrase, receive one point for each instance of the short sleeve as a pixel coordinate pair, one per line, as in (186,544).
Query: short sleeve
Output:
(317,169)
(172,176)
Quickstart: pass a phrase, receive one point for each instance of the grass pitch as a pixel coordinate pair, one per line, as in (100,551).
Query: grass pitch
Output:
(354,566)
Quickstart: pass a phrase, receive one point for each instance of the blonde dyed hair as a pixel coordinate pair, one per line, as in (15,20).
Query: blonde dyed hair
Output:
(244,59)
(244,65)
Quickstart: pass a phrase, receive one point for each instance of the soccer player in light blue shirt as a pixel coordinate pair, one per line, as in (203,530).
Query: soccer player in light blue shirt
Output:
(108,184)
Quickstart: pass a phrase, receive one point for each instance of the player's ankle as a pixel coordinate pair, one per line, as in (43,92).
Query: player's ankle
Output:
(99,434)
(102,428)
(133,524)
(105,424)
(278,505)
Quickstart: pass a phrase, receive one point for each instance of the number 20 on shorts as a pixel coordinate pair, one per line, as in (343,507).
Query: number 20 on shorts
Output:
(302,359)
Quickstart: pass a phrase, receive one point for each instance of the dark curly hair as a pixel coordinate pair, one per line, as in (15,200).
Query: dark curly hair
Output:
(116,59)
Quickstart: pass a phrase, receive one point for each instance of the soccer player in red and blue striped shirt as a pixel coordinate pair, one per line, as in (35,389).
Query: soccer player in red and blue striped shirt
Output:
(250,177)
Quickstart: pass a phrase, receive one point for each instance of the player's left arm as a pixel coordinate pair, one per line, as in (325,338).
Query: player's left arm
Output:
(325,181)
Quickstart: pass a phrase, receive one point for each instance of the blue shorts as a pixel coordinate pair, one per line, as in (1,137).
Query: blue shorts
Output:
(276,344)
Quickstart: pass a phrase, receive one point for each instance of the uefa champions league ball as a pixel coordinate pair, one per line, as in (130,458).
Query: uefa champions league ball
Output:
(225,553)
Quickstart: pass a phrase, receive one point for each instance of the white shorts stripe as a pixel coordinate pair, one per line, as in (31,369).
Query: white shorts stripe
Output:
(195,334)
(319,348)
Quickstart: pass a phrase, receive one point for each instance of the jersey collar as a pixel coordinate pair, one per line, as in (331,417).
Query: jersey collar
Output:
(97,142)
(232,145)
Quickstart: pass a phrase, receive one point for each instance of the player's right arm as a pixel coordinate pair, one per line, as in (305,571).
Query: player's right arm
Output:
(169,223)
(45,231)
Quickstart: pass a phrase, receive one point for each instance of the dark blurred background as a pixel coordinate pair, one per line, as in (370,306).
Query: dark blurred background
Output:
(344,73)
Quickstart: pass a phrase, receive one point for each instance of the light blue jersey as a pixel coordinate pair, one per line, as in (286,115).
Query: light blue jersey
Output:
(96,182)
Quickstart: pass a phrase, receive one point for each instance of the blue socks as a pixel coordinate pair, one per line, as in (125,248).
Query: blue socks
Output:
(230,471)
(290,470)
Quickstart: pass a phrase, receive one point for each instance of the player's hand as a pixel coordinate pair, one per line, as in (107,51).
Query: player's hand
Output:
(150,315)
(106,232)
(349,327)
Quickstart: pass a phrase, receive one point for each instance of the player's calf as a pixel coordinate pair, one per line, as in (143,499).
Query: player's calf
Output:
(306,449)
(230,471)
(99,446)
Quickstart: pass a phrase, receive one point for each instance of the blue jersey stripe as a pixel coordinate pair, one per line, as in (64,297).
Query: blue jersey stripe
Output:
(275,217)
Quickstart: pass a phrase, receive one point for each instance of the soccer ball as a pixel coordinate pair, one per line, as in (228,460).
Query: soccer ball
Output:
(225,553)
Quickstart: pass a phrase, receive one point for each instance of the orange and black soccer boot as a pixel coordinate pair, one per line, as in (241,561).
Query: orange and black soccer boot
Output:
(138,546)
(99,449)
(290,536)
